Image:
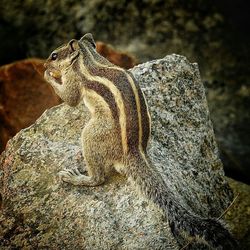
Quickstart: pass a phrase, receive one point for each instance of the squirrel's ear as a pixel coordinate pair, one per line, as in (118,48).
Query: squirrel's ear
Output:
(73,45)
(89,38)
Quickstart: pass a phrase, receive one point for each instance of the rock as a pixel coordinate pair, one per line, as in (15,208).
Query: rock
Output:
(116,57)
(238,215)
(192,28)
(23,98)
(25,94)
(41,212)
(229,107)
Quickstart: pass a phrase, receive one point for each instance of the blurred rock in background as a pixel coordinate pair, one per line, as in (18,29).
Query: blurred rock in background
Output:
(25,94)
(213,34)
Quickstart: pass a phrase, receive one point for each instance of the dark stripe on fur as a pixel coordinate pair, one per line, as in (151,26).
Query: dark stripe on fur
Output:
(121,82)
(101,90)
(144,115)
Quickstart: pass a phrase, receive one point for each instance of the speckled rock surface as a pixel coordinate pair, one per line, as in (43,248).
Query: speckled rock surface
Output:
(238,215)
(41,212)
(214,35)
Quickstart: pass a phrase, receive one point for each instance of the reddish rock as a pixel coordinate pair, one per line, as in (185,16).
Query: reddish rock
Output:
(24,94)
(118,58)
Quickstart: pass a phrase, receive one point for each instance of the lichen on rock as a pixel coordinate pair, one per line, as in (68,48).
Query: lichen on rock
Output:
(39,211)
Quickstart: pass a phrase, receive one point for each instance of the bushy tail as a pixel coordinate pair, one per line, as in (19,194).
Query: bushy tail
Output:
(152,185)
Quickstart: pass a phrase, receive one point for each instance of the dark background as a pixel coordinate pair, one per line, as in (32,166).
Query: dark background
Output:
(215,34)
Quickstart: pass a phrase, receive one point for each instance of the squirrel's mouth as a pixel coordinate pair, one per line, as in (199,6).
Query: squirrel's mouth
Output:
(56,74)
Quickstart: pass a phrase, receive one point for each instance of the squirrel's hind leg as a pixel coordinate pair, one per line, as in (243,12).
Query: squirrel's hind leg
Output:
(74,177)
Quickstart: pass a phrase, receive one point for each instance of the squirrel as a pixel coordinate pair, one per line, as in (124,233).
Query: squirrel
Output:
(117,134)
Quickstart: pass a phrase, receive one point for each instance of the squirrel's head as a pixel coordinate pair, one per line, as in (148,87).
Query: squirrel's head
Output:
(61,68)
(62,58)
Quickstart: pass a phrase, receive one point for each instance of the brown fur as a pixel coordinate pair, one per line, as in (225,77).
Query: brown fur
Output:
(109,92)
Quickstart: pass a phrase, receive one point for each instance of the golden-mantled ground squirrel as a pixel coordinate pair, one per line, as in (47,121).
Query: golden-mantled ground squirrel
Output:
(118,132)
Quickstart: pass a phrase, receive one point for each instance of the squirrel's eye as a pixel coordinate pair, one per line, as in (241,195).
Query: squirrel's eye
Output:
(54,56)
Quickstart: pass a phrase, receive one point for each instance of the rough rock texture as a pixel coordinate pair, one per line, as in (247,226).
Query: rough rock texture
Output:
(215,35)
(238,216)
(40,212)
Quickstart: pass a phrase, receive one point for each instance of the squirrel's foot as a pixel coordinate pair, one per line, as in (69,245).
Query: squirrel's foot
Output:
(74,177)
